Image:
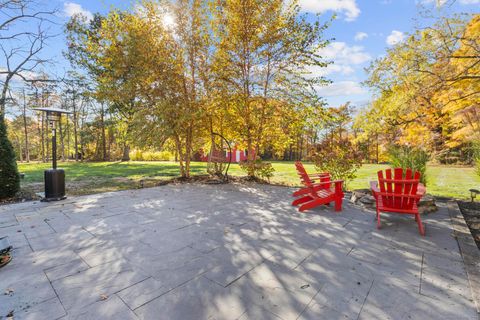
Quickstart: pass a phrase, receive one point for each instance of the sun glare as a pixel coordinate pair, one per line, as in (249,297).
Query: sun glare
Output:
(168,20)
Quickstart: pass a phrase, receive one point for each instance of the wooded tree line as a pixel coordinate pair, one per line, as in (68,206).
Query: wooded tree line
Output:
(427,93)
(164,75)
(89,133)
(174,73)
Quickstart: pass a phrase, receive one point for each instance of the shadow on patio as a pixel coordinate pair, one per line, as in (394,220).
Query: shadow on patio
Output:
(226,252)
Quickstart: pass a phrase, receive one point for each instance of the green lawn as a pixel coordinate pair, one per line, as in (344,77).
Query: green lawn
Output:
(93,177)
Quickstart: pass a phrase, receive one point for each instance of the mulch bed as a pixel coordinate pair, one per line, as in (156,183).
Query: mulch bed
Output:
(22,196)
(471,213)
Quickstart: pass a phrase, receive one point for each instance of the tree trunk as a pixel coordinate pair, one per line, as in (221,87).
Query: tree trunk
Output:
(126,152)
(75,126)
(47,153)
(20,151)
(188,149)
(250,159)
(110,141)
(68,138)
(180,155)
(62,144)
(42,136)
(27,147)
(104,140)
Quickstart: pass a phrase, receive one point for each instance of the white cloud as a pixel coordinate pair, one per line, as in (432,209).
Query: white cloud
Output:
(28,75)
(331,68)
(341,53)
(359,36)
(440,3)
(71,8)
(395,37)
(341,88)
(345,58)
(349,7)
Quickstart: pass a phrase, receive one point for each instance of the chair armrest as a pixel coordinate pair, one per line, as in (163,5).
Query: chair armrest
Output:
(421,190)
(319,174)
(327,182)
(374,187)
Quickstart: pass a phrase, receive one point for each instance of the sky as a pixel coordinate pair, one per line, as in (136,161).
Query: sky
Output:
(361,32)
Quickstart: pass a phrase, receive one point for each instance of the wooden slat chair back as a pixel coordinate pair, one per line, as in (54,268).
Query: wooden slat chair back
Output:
(310,179)
(317,193)
(399,192)
(396,192)
(306,178)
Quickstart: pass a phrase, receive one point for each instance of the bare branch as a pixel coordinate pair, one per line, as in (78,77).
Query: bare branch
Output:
(21,49)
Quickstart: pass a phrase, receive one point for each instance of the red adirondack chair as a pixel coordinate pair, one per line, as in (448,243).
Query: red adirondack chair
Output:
(309,179)
(399,193)
(317,193)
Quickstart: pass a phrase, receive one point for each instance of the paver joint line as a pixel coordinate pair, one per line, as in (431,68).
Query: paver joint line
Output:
(421,274)
(366,297)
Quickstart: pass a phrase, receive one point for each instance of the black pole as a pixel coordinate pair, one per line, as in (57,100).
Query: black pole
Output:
(54,145)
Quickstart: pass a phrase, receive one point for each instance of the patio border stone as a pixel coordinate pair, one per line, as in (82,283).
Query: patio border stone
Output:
(468,249)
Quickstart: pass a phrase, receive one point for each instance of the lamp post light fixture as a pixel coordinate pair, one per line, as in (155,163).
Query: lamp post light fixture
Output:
(54,178)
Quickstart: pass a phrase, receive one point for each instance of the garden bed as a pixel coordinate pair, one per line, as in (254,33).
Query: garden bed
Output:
(471,214)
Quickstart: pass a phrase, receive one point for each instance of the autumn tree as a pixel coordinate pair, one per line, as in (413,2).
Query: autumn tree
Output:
(336,153)
(264,49)
(179,71)
(425,88)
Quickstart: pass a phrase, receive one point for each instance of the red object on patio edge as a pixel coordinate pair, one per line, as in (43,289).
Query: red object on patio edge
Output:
(398,194)
(317,193)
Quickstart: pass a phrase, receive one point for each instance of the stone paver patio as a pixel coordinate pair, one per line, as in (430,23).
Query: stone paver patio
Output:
(226,252)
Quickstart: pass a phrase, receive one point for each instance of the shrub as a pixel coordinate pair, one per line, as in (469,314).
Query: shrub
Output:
(476,157)
(148,156)
(9,177)
(409,157)
(477,165)
(338,158)
(259,169)
(164,156)
(138,155)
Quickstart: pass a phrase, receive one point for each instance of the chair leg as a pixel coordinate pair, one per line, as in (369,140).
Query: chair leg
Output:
(300,192)
(378,219)
(301,200)
(310,205)
(338,204)
(420,224)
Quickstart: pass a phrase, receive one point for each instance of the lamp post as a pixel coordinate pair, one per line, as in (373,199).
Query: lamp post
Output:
(54,178)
